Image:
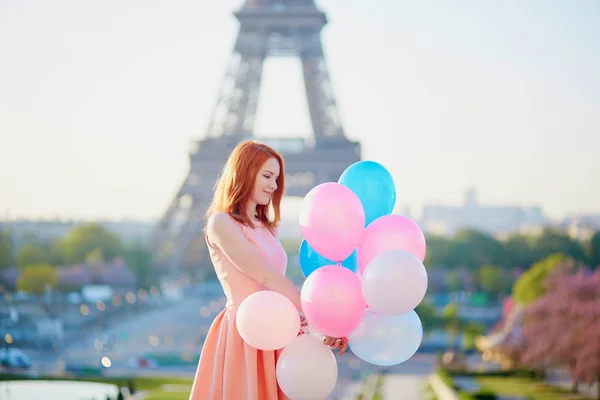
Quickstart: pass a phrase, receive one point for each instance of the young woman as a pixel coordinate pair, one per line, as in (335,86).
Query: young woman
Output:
(247,257)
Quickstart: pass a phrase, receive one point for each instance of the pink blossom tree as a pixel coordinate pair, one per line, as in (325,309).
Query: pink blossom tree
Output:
(562,327)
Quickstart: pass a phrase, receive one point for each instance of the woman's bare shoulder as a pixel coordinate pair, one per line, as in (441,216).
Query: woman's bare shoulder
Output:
(220,221)
(221,225)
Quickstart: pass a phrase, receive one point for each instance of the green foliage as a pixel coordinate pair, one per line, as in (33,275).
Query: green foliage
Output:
(440,251)
(56,254)
(471,331)
(477,248)
(139,260)
(450,321)
(453,323)
(95,256)
(428,316)
(447,378)
(531,284)
(483,394)
(519,250)
(35,278)
(450,311)
(30,237)
(468,248)
(90,244)
(84,239)
(453,280)
(472,249)
(30,254)
(6,249)
(513,373)
(493,279)
(557,241)
(593,250)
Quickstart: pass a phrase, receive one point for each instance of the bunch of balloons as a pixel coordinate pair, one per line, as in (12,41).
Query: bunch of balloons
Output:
(364,277)
(304,358)
(363,265)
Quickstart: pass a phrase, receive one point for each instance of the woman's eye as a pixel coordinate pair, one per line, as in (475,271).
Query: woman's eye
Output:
(266,176)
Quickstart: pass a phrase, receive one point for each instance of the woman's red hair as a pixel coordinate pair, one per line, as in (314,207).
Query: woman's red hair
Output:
(234,187)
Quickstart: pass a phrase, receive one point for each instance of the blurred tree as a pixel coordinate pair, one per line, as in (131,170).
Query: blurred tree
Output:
(471,331)
(6,249)
(475,248)
(552,240)
(452,323)
(471,248)
(493,280)
(35,278)
(440,251)
(30,237)
(519,251)
(428,316)
(85,238)
(453,279)
(563,325)
(56,253)
(95,256)
(30,254)
(139,261)
(531,284)
(593,250)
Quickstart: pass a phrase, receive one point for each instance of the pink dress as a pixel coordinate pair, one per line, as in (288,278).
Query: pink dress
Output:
(230,369)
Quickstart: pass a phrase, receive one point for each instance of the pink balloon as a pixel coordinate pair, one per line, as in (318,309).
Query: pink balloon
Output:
(332,220)
(267,320)
(390,232)
(332,300)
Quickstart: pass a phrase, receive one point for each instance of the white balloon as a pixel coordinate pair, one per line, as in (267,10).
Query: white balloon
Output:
(306,369)
(394,282)
(387,340)
(267,320)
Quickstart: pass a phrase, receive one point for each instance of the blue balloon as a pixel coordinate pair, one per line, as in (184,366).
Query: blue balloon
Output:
(386,340)
(374,186)
(310,260)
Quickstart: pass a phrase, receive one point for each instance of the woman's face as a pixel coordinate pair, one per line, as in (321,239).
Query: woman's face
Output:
(266,182)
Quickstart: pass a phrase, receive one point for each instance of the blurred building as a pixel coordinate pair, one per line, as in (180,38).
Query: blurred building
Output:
(447,219)
(581,227)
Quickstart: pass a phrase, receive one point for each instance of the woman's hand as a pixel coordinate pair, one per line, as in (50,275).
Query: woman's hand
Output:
(333,343)
(336,343)
(303,324)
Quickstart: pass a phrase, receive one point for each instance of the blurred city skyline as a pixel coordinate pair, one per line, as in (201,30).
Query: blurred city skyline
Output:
(99,101)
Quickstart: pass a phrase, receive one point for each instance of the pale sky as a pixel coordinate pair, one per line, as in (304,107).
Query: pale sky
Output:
(99,100)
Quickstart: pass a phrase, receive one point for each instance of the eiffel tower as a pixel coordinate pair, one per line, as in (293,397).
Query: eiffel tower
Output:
(268,28)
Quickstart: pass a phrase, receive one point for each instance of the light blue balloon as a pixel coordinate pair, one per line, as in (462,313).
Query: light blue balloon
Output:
(374,186)
(387,340)
(310,260)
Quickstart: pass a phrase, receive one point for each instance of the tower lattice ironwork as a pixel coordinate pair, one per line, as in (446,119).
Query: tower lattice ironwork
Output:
(268,28)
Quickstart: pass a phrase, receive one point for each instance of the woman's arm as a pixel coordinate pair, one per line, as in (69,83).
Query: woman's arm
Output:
(228,236)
